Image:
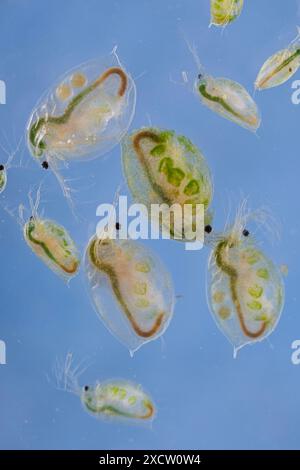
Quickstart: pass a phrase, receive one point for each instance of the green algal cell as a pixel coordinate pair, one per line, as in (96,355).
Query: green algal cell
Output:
(192,188)
(189,146)
(142,303)
(158,150)
(175,176)
(143,267)
(255,291)
(252,256)
(132,400)
(263,273)
(165,165)
(140,288)
(224,313)
(254,305)
(262,317)
(166,135)
(122,393)
(58,231)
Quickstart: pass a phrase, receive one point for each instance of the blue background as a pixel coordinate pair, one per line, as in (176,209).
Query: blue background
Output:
(205,398)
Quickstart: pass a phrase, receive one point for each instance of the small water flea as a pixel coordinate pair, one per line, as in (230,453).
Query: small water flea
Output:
(53,245)
(113,399)
(280,67)
(117,399)
(225,97)
(230,100)
(225,11)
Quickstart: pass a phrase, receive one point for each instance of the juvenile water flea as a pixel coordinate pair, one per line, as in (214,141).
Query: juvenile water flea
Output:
(112,399)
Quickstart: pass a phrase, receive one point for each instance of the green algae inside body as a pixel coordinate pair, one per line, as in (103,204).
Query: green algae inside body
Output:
(279,68)
(53,245)
(230,100)
(162,167)
(116,399)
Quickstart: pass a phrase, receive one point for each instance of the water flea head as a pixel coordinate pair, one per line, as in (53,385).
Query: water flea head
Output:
(45,165)
(1,167)
(246,232)
(208,228)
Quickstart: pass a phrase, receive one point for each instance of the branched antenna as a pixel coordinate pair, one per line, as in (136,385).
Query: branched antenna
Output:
(67,374)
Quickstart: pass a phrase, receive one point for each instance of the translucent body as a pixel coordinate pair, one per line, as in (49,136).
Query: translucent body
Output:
(230,100)
(245,290)
(3,178)
(225,11)
(131,290)
(53,245)
(118,399)
(163,167)
(279,67)
(85,114)
(5,166)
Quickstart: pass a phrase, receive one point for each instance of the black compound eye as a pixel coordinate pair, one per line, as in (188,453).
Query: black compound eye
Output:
(45,165)
(118,226)
(86,388)
(246,232)
(208,228)
(1,167)
(200,76)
